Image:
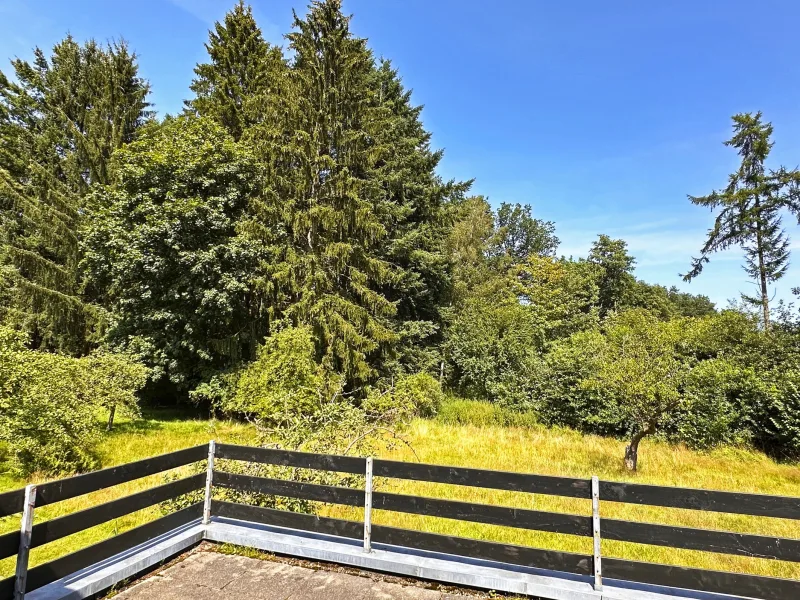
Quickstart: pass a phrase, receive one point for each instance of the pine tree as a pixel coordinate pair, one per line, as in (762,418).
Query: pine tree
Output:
(60,122)
(242,67)
(321,212)
(418,222)
(749,211)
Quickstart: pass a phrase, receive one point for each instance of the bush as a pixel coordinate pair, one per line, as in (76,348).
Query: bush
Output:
(421,392)
(490,344)
(284,382)
(718,396)
(560,398)
(479,413)
(49,402)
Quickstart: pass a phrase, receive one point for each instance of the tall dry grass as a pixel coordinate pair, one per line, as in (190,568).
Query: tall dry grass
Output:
(526,448)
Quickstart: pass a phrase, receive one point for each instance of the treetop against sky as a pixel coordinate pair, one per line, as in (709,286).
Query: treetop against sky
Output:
(602,116)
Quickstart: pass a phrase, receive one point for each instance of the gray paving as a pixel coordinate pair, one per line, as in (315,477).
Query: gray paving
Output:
(212,576)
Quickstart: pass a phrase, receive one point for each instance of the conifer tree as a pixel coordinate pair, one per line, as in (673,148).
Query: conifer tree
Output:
(60,121)
(418,222)
(242,66)
(749,211)
(321,212)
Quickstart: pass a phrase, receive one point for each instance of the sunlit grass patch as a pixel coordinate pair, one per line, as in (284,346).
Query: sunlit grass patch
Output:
(531,448)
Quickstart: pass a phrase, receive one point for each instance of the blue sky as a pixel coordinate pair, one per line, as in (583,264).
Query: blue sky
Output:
(602,115)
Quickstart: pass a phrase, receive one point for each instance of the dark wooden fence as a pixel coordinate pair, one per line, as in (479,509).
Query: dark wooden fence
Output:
(63,489)
(611,529)
(722,542)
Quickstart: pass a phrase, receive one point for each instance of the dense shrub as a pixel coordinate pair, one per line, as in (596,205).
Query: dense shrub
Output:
(421,391)
(490,346)
(417,395)
(49,403)
(284,382)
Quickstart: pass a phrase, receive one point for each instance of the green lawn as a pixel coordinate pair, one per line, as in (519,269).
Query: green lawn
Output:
(527,449)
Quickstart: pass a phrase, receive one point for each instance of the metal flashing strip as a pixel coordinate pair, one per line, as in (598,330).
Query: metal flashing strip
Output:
(104,575)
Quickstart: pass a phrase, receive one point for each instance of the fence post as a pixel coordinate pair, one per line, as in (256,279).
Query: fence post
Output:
(368,507)
(26,526)
(209,480)
(598,573)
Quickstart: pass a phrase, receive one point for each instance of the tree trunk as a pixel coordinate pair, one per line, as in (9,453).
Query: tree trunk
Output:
(111,412)
(762,273)
(632,449)
(764,291)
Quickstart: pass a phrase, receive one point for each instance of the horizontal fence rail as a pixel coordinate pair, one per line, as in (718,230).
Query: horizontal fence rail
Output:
(288,458)
(757,505)
(498,480)
(60,527)
(722,542)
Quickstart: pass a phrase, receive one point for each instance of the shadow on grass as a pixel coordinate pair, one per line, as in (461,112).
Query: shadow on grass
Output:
(153,419)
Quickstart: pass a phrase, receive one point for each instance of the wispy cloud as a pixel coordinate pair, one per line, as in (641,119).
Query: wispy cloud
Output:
(211,11)
(206,11)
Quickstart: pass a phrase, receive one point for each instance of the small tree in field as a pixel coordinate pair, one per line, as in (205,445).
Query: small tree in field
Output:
(641,368)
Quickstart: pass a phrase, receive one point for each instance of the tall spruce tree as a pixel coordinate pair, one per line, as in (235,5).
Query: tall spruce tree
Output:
(321,211)
(749,211)
(60,122)
(242,67)
(418,222)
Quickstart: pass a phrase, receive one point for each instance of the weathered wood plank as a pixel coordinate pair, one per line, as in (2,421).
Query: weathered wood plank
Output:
(11,502)
(762,505)
(498,480)
(62,489)
(722,542)
(484,513)
(285,518)
(9,544)
(48,531)
(290,489)
(7,588)
(493,551)
(60,567)
(305,460)
(721,582)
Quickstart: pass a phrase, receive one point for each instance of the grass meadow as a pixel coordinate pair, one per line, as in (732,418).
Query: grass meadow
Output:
(477,435)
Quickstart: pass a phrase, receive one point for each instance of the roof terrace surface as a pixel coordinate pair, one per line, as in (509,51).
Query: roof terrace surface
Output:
(204,574)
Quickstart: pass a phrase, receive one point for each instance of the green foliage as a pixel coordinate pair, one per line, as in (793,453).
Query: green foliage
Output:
(164,255)
(560,398)
(112,380)
(283,383)
(319,146)
(287,252)
(242,66)
(417,395)
(60,121)
(490,345)
(48,403)
(519,236)
(615,271)
(749,210)
(422,391)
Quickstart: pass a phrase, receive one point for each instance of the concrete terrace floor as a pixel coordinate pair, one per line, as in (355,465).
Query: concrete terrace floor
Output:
(207,575)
